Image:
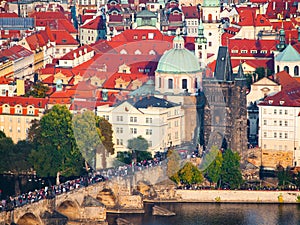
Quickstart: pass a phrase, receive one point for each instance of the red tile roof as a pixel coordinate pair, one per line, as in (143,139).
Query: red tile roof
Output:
(287,25)
(190,12)
(286,81)
(246,44)
(24,101)
(95,24)
(48,15)
(289,98)
(261,20)
(8,15)
(64,38)
(16,52)
(83,49)
(284,7)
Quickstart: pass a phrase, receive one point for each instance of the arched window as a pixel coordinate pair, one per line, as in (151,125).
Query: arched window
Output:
(159,82)
(184,84)
(296,71)
(152,52)
(5,108)
(18,109)
(278,69)
(286,68)
(210,18)
(137,52)
(123,52)
(170,83)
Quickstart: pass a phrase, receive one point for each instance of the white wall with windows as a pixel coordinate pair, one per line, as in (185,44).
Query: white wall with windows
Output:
(160,126)
(279,129)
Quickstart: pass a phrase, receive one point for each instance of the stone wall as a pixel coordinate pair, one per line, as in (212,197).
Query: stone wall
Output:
(237,196)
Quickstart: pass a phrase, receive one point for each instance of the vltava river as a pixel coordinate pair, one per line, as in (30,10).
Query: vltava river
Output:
(215,214)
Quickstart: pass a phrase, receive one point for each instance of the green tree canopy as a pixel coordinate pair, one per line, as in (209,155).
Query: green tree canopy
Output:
(230,171)
(37,90)
(173,165)
(55,145)
(87,135)
(190,174)
(213,171)
(107,134)
(139,147)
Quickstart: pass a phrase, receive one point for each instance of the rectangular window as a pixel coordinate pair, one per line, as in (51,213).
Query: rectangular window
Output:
(119,118)
(280,111)
(119,141)
(133,130)
(285,112)
(275,122)
(275,135)
(285,123)
(148,120)
(253,51)
(133,119)
(280,123)
(176,123)
(265,122)
(150,143)
(176,135)
(265,111)
(234,51)
(285,135)
(148,131)
(275,111)
(119,130)
(280,135)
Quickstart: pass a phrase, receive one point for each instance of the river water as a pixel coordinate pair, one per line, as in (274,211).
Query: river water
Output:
(217,214)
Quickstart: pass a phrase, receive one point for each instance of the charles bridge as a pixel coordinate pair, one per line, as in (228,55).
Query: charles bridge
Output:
(88,203)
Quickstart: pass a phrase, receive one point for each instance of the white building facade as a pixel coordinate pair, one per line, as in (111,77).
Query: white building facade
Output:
(160,123)
(279,130)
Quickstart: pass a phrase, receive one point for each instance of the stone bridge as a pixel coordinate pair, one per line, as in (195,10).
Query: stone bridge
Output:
(89,203)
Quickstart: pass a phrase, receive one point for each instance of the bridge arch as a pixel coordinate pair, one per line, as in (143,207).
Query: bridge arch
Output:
(29,219)
(70,209)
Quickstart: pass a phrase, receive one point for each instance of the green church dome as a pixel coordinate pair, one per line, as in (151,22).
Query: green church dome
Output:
(178,59)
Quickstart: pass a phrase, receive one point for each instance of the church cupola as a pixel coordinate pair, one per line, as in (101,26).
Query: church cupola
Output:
(201,39)
(282,43)
(178,42)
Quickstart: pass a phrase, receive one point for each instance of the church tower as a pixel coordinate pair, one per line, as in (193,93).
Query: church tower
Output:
(201,45)
(225,115)
(211,18)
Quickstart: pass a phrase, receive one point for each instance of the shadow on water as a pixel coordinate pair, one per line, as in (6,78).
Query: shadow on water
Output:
(216,214)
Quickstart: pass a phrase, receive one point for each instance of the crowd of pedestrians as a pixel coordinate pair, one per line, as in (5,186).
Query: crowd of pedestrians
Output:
(49,192)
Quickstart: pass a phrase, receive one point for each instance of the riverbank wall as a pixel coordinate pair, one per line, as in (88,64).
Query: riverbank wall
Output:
(237,196)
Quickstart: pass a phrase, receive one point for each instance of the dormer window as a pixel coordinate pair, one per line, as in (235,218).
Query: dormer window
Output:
(244,51)
(234,51)
(270,102)
(263,51)
(18,109)
(281,102)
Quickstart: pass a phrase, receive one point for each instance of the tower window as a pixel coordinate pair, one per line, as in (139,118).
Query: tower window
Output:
(170,83)
(184,83)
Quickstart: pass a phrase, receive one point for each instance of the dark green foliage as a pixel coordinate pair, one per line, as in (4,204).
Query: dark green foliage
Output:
(284,176)
(231,175)
(190,174)
(38,90)
(107,134)
(124,157)
(139,147)
(173,165)
(55,145)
